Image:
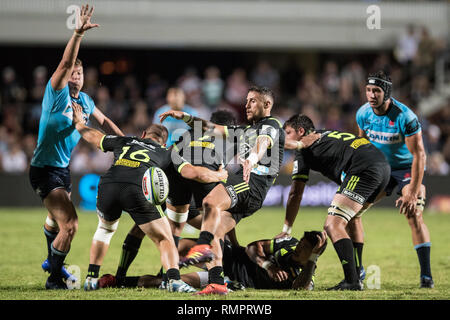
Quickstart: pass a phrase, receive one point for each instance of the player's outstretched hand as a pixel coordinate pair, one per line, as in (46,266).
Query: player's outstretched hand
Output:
(84,20)
(77,116)
(247,169)
(172,113)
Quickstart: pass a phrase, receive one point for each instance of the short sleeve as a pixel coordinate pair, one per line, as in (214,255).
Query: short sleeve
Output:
(410,124)
(300,169)
(110,142)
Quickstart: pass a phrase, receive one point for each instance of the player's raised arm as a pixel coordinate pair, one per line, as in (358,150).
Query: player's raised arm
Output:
(192,121)
(63,72)
(256,154)
(107,125)
(91,135)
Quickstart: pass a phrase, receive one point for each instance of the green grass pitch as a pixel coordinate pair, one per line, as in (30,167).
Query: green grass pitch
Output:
(388,248)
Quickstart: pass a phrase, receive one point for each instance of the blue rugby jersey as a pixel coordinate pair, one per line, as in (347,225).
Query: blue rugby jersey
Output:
(57,136)
(387,132)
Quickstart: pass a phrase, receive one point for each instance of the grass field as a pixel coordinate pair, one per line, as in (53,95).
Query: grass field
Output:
(388,247)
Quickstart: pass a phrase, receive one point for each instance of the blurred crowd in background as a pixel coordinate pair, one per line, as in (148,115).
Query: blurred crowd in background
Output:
(330,95)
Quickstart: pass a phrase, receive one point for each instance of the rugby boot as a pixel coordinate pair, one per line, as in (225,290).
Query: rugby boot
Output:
(426,282)
(179,286)
(214,288)
(343,285)
(198,254)
(66,274)
(55,285)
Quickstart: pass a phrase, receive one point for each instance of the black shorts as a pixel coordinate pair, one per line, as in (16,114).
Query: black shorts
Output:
(46,179)
(113,198)
(182,191)
(246,199)
(364,185)
(399,179)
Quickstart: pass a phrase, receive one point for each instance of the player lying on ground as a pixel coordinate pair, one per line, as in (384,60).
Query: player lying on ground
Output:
(393,128)
(49,168)
(120,189)
(284,263)
(261,146)
(352,162)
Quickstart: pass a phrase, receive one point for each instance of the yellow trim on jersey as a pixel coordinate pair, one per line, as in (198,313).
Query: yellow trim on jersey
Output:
(160,210)
(127,163)
(352,183)
(181,166)
(225,129)
(278,121)
(101,143)
(300,176)
(242,190)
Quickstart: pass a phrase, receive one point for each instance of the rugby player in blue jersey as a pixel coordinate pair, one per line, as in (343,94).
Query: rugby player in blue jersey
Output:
(393,128)
(49,169)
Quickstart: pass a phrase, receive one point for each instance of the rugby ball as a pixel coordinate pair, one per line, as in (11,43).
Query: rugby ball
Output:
(155,186)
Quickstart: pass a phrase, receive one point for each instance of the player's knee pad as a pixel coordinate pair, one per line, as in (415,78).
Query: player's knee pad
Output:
(341,211)
(177,216)
(420,204)
(105,230)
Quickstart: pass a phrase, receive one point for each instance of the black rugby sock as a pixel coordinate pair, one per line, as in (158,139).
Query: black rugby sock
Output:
(130,249)
(173,274)
(56,262)
(344,249)
(215,275)
(423,253)
(49,236)
(205,237)
(93,271)
(358,249)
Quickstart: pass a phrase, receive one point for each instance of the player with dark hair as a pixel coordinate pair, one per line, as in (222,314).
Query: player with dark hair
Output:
(261,148)
(394,129)
(49,169)
(184,203)
(285,263)
(120,189)
(358,167)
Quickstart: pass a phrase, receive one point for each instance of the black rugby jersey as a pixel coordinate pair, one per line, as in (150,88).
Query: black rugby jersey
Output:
(204,149)
(335,153)
(133,156)
(245,139)
(239,267)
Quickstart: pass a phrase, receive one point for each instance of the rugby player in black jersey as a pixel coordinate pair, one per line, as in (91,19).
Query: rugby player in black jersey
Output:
(184,203)
(352,162)
(261,148)
(283,263)
(121,189)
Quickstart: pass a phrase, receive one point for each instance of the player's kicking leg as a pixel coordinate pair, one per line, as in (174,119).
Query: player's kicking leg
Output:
(214,203)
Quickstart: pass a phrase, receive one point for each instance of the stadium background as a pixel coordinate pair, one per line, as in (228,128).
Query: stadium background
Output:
(313,54)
